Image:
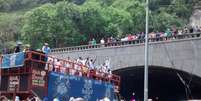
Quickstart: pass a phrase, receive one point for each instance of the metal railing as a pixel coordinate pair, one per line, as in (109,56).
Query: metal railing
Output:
(124,43)
(72,69)
(34,59)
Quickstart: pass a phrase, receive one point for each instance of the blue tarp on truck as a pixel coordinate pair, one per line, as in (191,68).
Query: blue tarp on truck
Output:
(64,86)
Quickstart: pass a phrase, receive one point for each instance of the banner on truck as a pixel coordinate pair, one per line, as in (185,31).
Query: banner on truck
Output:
(64,87)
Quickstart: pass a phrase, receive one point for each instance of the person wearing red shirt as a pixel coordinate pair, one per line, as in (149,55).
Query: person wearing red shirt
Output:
(130,37)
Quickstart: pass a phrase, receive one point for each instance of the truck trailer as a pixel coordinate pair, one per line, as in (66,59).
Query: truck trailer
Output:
(33,75)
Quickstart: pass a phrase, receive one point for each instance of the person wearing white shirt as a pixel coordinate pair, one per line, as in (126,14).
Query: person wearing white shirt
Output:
(57,65)
(46,48)
(107,63)
(17,98)
(55,99)
(91,64)
(102,41)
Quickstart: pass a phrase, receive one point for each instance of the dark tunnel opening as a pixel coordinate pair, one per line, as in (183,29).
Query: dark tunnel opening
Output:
(164,84)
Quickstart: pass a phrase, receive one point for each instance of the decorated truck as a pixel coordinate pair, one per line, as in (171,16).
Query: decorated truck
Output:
(32,75)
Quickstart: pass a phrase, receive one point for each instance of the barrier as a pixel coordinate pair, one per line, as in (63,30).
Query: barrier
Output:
(34,59)
(92,74)
(124,43)
(64,87)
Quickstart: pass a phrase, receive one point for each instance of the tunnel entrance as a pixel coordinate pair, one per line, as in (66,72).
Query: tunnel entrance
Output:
(164,84)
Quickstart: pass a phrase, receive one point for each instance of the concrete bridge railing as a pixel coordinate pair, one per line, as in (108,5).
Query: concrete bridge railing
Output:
(124,43)
(179,52)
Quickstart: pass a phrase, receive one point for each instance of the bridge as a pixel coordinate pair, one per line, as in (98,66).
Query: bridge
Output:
(174,61)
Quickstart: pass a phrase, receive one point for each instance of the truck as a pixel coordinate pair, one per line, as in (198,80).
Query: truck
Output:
(34,76)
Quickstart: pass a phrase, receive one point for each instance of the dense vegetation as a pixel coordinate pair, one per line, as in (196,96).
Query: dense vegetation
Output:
(73,22)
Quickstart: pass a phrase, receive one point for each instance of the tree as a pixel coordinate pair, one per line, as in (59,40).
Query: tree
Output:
(36,25)
(119,22)
(49,23)
(73,22)
(164,20)
(64,29)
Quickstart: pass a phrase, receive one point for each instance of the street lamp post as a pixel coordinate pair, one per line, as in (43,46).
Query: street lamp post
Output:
(146,54)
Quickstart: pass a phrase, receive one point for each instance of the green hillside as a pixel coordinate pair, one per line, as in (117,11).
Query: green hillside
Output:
(11,16)
(73,22)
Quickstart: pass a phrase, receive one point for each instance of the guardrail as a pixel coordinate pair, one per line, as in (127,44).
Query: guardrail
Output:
(71,67)
(35,59)
(197,7)
(123,43)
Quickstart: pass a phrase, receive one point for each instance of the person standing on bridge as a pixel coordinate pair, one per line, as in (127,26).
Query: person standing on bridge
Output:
(168,33)
(102,41)
(93,42)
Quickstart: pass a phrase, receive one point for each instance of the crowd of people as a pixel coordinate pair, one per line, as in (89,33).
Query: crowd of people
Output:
(73,65)
(88,63)
(79,66)
(82,66)
(141,35)
(128,37)
(20,47)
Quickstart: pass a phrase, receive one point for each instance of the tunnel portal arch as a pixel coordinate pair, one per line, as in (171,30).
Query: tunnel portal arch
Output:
(166,84)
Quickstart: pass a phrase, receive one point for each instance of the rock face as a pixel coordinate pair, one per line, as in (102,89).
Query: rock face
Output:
(195,19)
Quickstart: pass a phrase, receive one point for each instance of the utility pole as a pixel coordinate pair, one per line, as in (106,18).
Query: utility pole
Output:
(146,54)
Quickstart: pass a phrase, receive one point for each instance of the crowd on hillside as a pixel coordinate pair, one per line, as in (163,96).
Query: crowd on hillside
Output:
(141,35)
